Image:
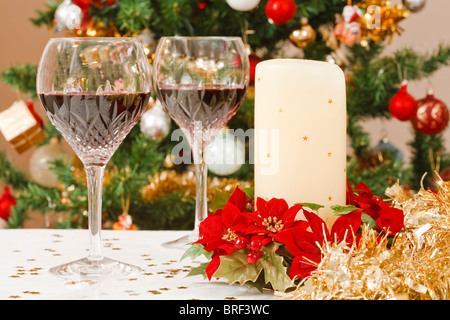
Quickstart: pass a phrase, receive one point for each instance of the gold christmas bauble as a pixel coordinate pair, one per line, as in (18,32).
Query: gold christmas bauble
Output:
(304,36)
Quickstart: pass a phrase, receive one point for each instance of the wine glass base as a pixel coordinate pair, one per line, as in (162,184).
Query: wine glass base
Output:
(182,242)
(88,269)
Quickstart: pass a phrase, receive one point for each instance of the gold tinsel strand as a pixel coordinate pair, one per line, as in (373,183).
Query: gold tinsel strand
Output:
(168,181)
(415,266)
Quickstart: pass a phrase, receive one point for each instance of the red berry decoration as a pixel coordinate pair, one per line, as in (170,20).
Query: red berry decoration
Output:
(432,115)
(402,105)
(240,243)
(280,11)
(252,257)
(255,245)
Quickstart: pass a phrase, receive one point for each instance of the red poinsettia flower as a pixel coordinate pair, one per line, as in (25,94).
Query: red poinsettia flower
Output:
(218,232)
(389,219)
(306,245)
(272,217)
(345,228)
(369,203)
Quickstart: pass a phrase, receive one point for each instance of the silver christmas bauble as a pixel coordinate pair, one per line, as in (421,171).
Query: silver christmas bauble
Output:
(414,5)
(40,163)
(226,154)
(68,16)
(155,123)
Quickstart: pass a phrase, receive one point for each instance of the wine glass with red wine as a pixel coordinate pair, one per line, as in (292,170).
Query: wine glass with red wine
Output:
(93,91)
(201,83)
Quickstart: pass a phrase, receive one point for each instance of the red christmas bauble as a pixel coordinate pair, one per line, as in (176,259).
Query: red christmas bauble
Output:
(6,202)
(254,60)
(432,115)
(403,106)
(280,11)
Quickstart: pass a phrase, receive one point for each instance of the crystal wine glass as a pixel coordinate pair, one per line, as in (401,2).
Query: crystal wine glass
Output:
(94,90)
(201,83)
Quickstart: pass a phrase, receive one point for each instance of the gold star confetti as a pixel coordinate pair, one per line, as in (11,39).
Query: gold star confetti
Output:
(330,198)
(153,292)
(329,154)
(305,138)
(280,110)
(330,101)
(268,155)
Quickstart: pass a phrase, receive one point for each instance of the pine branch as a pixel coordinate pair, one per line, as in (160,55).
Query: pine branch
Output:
(22,78)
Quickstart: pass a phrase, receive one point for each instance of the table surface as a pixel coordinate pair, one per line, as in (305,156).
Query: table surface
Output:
(26,255)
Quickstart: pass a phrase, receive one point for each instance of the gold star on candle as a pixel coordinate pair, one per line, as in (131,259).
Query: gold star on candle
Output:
(329,154)
(305,138)
(330,101)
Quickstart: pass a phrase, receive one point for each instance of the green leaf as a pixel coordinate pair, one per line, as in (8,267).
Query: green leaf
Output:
(341,210)
(220,200)
(235,268)
(313,206)
(365,218)
(200,270)
(275,272)
(249,192)
(196,250)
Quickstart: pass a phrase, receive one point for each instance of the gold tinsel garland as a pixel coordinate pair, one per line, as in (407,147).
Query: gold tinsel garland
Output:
(168,181)
(415,266)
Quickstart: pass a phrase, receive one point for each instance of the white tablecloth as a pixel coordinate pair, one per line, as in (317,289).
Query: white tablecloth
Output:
(27,254)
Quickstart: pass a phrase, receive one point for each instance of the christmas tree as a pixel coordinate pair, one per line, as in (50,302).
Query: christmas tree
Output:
(142,177)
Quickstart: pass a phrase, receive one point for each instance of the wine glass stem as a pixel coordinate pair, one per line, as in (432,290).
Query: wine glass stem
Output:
(201,171)
(94,175)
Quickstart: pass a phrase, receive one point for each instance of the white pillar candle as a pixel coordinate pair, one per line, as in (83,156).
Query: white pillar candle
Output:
(300,132)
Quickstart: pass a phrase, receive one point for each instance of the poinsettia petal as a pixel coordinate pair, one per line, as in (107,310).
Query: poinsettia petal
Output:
(350,194)
(318,226)
(287,238)
(391,220)
(277,207)
(290,214)
(261,205)
(239,199)
(361,187)
(212,267)
(303,265)
(344,226)
(230,214)
(211,226)
(255,229)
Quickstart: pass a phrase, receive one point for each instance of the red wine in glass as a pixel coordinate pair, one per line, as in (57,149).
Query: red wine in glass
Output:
(211,105)
(94,124)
